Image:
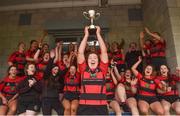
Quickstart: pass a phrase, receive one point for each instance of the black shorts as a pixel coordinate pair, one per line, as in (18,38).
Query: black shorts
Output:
(170,98)
(71,95)
(28,105)
(110,98)
(92,110)
(148,99)
(129,96)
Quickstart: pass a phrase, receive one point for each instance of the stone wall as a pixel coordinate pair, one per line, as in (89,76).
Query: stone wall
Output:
(157,18)
(174,15)
(11,33)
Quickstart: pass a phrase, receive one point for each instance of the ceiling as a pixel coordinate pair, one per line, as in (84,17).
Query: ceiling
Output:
(8,5)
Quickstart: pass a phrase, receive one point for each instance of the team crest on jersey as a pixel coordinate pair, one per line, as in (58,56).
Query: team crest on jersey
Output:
(8,84)
(108,86)
(12,88)
(71,80)
(147,85)
(93,75)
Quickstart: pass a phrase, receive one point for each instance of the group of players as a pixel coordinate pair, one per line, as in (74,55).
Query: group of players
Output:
(87,80)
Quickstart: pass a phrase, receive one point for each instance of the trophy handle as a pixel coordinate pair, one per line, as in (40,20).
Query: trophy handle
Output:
(86,15)
(97,15)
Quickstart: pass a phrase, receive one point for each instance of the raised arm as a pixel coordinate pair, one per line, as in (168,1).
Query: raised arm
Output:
(36,55)
(104,55)
(41,39)
(141,41)
(117,73)
(29,59)
(153,35)
(134,85)
(60,51)
(81,57)
(134,67)
(141,38)
(56,52)
(123,56)
(70,56)
(113,77)
(11,59)
(75,47)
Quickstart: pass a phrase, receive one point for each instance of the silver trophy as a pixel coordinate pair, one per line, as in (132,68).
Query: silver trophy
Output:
(91,15)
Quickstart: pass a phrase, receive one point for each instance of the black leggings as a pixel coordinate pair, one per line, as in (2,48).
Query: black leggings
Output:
(51,103)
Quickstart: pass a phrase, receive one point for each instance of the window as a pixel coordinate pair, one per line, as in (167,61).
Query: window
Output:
(25,19)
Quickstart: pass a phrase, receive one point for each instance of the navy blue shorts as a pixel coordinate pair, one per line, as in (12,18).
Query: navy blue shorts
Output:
(170,98)
(148,99)
(110,98)
(71,95)
(130,95)
(92,110)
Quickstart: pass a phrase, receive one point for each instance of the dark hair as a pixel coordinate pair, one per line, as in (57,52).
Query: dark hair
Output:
(132,76)
(48,78)
(89,53)
(115,42)
(45,53)
(32,41)
(20,43)
(157,33)
(168,74)
(9,68)
(45,44)
(73,65)
(149,40)
(27,66)
(153,70)
(63,54)
(66,53)
(159,71)
(133,43)
(69,45)
(92,52)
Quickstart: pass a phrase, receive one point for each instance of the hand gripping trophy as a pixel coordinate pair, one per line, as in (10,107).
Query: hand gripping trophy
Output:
(91,15)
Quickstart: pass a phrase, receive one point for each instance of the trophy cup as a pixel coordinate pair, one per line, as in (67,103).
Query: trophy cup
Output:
(91,15)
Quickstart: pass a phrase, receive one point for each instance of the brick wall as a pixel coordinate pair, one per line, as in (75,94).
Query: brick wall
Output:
(174,15)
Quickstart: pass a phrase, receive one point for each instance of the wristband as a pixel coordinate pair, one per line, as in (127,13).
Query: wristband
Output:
(39,48)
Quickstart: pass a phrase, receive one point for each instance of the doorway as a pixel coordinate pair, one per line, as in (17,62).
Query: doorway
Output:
(73,36)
